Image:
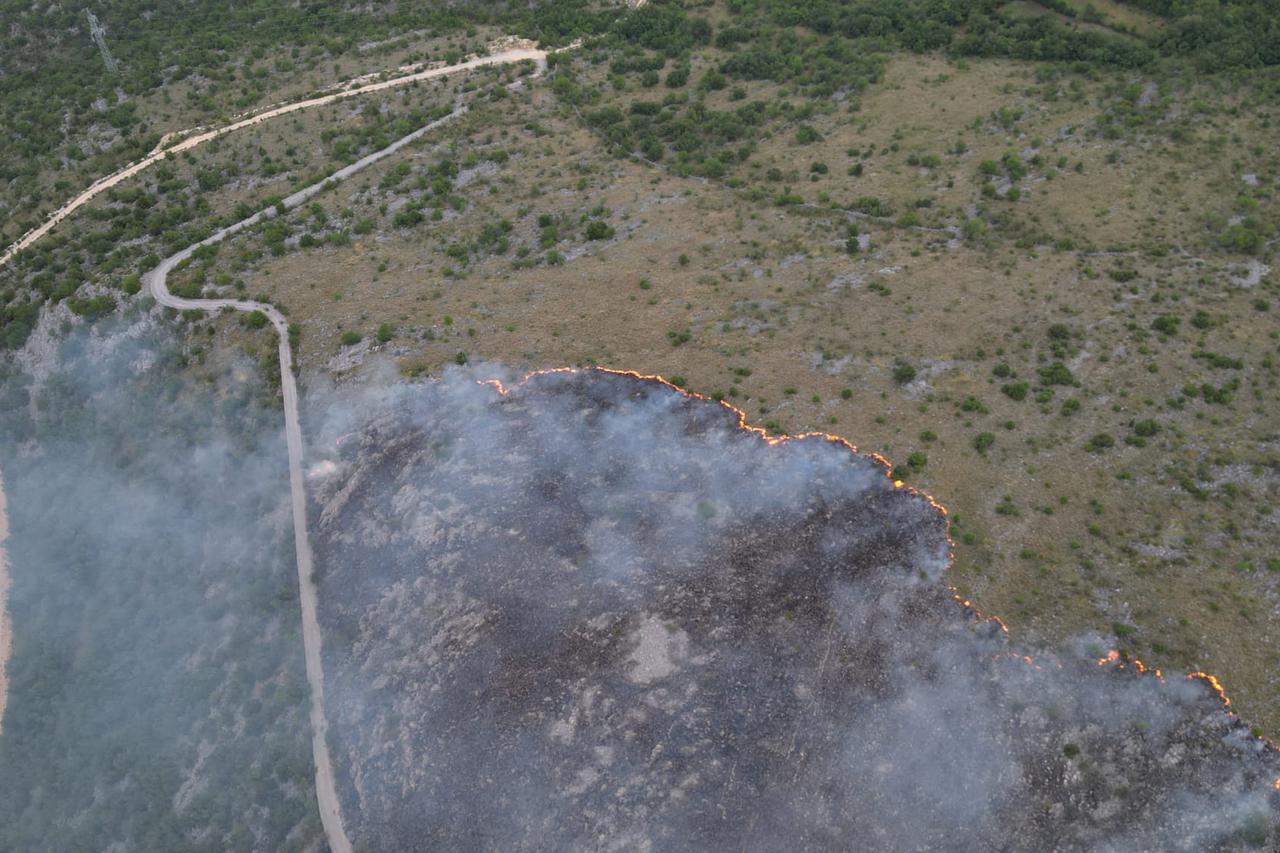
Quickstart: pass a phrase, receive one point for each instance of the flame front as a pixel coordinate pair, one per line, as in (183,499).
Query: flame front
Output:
(1112,658)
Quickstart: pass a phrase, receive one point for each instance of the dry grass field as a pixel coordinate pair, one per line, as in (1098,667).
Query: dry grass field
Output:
(1087,380)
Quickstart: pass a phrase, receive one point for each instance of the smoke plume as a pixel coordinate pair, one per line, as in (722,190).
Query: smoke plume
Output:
(593,612)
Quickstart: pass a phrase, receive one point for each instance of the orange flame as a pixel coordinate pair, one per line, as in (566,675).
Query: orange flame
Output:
(1213,683)
(1113,657)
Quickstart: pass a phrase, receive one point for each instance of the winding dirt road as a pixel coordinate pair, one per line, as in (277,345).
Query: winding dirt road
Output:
(504,57)
(156,285)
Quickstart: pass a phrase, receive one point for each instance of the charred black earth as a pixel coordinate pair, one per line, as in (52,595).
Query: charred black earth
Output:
(596,613)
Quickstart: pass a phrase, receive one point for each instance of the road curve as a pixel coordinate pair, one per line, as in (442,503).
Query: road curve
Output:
(515,54)
(156,284)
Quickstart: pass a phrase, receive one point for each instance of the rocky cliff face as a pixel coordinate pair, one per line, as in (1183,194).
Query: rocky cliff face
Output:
(596,613)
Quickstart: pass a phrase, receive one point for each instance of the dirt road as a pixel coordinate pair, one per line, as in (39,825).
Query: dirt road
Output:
(6,633)
(504,57)
(156,285)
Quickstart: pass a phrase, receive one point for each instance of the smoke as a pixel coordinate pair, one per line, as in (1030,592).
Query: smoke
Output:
(595,612)
(157,699)
(589,612)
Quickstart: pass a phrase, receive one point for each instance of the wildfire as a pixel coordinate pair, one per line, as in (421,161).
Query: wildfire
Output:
(741,416)
(1120,662)
(1112,658)
(1213,683)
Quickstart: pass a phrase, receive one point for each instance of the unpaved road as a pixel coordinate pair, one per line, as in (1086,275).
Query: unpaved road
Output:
(6,633)
(514,54)
(156,285)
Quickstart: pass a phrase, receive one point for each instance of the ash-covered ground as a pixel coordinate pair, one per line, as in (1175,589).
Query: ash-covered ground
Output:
(596,613)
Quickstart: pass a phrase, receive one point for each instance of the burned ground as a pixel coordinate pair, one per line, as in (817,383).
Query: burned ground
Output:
(596,612)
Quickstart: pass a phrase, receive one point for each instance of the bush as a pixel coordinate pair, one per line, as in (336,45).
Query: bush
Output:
(713,80)
(350,339)
(1016,391)
(599,230)
(806,134)
(1146,428)
(1166,324)
(385,333)
(872,206)
(903,372)
(1100,442)
(982,442)
(255,320)
(407,218)
(1242,238)
(460,359)
(1056,374)
(93,308)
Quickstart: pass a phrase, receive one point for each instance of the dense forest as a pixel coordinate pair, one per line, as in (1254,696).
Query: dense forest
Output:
(158,699)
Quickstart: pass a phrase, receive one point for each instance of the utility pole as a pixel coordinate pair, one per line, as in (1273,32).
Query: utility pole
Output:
(99,35)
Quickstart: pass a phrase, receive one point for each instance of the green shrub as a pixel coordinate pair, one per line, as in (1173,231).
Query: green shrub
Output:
(1146,428)
(982,442)
(350,339)
(385,333)
(599,230)
(1166,324)
(1100,441)
(807,134)
(1056,374)
(903,372)
(1016,391)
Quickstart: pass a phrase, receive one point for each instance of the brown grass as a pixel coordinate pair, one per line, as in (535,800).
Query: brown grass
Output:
(772,290)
